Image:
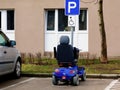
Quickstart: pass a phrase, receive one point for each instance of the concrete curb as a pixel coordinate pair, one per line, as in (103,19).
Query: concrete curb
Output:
(37,75)
(107,76)
(104,76)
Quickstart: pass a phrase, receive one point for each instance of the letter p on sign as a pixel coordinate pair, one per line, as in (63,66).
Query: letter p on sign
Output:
(72,7)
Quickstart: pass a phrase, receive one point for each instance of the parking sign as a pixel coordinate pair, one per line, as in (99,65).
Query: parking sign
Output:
(72,7)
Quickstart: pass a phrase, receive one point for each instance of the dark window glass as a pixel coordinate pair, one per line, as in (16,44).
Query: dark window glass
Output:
(83,20)
(0,20)
(62,20)
(3,40)
(10,20)
(51,20)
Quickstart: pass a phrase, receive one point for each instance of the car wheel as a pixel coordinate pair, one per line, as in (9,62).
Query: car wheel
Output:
(54,80)
(83,77)
(17,70)
(76,80)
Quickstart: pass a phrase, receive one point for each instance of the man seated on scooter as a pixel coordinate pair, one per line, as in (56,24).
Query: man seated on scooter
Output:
(66,54)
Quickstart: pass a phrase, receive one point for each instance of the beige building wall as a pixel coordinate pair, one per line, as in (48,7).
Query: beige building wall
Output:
(30,23)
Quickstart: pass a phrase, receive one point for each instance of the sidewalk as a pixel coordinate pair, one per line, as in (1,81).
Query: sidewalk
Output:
(107,76)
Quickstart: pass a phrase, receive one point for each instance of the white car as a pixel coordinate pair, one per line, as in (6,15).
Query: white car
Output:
(10,59)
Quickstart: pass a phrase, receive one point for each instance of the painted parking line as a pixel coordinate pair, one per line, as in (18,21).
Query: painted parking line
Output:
(111,85)
(30,79)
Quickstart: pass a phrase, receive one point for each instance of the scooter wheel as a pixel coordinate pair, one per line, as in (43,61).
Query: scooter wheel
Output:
(83,77)
(54,80)
(76,80)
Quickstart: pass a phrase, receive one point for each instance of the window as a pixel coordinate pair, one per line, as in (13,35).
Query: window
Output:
(83,20)
(56,19)
(51,20)
(0,20)
(10,19)
(62,20)
(2,40)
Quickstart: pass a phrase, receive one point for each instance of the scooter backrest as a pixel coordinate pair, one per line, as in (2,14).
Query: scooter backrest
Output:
(65,52)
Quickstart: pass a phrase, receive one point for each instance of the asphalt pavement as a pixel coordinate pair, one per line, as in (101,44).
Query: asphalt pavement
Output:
(35,83)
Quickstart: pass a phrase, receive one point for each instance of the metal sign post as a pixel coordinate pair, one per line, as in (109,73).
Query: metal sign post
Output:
(72,7)
(72,29)
(71,24)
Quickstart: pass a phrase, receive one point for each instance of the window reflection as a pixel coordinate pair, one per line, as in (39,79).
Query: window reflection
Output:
(83,20)
(62,21)
(10,19)
(50,20)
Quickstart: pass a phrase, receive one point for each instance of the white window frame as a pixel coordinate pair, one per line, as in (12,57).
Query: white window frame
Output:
(56,23)
(9,33)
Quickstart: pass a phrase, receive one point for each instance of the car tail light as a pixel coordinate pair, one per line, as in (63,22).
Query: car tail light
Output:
(63,77)
(72,71)
(57,70)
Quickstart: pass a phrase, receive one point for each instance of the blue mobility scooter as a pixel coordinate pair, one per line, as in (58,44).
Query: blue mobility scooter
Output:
(68,70)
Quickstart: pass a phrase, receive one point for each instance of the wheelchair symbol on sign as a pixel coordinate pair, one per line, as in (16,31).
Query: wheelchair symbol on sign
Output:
(71,22)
